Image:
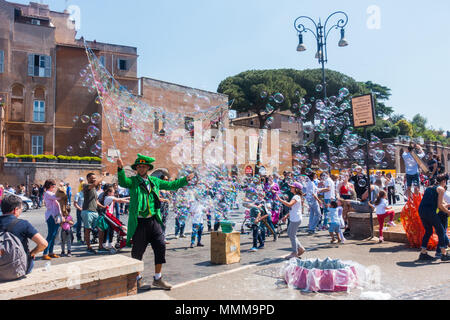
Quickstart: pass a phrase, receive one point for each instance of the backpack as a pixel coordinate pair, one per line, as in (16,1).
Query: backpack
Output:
(13,259)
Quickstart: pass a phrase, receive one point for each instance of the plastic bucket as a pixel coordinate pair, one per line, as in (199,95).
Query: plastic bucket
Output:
(227,227)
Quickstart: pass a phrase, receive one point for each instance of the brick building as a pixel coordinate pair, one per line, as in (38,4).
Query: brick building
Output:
(41,92)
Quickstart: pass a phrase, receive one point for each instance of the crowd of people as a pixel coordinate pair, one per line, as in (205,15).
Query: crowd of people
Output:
(270,202)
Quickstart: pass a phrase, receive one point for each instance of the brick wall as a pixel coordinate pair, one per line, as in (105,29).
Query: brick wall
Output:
(97,290)
(16,173)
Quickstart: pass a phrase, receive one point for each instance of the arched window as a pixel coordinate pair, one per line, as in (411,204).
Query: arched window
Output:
(17,112)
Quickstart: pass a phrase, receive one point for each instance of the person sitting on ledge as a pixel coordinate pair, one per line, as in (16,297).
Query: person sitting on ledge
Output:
(22,229)
(364,206)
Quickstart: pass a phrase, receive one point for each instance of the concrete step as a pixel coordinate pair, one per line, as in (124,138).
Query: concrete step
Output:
(393,234)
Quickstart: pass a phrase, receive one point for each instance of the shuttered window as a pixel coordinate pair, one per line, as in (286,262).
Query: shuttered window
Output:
(39,66)
(39,111)
(37,145)
(2,61)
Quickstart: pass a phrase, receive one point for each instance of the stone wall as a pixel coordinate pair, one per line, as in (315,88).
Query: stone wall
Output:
(27,173)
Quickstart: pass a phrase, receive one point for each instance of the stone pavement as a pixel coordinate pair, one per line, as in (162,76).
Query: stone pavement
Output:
(400,275)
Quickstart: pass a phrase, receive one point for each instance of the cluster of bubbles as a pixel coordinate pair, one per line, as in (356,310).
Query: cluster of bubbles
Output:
(330,120)
(124,111)
(92,135)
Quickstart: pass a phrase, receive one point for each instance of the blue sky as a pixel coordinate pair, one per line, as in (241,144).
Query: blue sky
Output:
(199,43)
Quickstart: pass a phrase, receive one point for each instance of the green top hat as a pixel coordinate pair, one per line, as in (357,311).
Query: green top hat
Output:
(143,160)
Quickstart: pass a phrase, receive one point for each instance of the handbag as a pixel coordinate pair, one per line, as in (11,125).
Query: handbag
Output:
(58,218)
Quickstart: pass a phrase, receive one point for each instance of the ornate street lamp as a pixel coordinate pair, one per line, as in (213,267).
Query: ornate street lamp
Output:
(321,33)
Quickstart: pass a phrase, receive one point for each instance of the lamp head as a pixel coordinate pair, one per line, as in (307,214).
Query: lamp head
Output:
(343,42)
(301,47)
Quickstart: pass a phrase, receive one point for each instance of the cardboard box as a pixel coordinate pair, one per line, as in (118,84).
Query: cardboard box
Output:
(225,248)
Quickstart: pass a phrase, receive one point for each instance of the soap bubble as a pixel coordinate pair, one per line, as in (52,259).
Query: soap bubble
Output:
(269,108)
(333,99)
(337,131)
(93,131)
(85,118)
(302,101)
(263,95)
(100,144)
(69,149)
(379,155)
(82,145)
(278,98)
(307,129)
(96,118)
(320,127)
(387,129)
(75,119)
(304,109)
(344,92)
(319,88)
(324,165)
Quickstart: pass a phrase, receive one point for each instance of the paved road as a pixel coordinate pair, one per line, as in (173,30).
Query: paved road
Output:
(401,276)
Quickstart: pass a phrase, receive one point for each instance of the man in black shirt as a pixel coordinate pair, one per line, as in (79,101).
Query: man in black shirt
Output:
(22,229)
(432,166)
(360,182)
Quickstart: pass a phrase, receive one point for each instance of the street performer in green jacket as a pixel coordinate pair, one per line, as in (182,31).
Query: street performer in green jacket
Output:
(144,220)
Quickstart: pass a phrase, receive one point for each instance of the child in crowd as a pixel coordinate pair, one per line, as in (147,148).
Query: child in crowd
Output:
(335,222)
(181,212)
(197,211)
(66,232)
(109,202)
(340,210)
(258,234)
(383,211)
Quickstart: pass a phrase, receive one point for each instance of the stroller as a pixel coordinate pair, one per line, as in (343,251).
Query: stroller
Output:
(109,221)
(119,228)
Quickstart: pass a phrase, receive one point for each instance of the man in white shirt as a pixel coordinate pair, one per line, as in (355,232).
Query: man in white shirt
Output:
(329,195)
(197,211)
(412,169)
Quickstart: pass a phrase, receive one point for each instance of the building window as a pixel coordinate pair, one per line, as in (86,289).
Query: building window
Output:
(2,61)
(125,119)
(37,145)
(39,111)
(102,60)
(122,64)
(39,66)
(159,125)
(189,125)
(36,22)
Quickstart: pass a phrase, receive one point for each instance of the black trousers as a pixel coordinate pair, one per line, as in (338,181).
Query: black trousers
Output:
(149,231)
(391,195)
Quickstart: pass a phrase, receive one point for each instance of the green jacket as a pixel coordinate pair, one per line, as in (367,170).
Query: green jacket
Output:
(140,197)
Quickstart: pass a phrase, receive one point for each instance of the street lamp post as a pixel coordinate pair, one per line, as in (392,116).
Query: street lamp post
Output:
(321,34)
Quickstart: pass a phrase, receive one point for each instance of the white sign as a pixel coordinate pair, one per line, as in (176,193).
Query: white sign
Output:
(112,153)
(232,114)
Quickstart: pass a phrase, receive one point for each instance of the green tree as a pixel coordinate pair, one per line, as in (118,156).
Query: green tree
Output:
(259,91)
(406,129)
(247,88)
(394,118)
(382,94)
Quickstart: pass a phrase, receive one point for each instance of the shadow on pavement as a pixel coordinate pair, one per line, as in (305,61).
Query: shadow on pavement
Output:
(390,249)
(417,263)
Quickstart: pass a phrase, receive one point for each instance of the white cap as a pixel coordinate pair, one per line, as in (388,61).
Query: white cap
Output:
(81,179)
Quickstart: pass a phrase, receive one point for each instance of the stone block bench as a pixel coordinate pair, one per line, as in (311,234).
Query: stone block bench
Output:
(359,223)
(101,278)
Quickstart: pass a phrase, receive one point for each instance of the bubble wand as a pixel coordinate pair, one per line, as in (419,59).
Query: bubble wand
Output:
(101,101)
